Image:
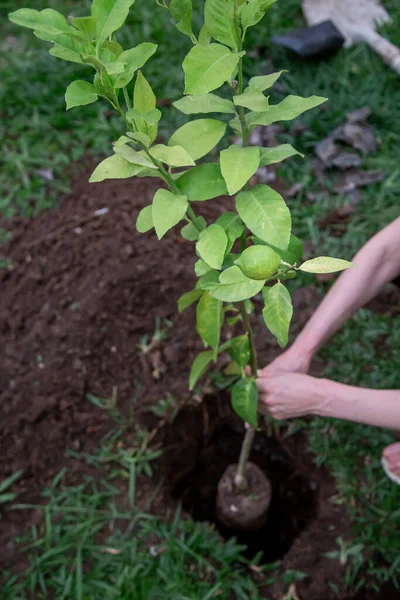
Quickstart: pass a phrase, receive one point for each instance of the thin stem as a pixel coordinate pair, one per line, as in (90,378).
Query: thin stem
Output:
(126,98)
(240,477)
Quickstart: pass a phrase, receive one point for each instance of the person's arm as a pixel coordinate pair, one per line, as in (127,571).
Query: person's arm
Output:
(375,264)
(289,395)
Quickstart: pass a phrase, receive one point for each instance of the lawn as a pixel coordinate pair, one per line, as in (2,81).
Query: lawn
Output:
(97,533)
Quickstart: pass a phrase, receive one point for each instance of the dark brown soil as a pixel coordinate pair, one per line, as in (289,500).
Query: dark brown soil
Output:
(82,292)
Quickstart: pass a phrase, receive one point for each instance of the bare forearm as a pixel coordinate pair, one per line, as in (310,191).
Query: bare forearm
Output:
(380,408)
(377,263)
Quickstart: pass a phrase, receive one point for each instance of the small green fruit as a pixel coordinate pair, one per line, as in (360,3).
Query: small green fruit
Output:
(258,262)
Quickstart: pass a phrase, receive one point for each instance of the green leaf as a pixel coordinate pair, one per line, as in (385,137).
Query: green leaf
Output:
(136,158)
(208,103)
(233,286)
(270,156)
(174,156)
(209,320)
(198,137)
(188,299)
(144,99)
(65,54)
(263,82)
(144,222)
(96,63)
(239,350)
(80,93)
(151,117)
(201,267)
(325,264)
(181,10)
(278,312)
(212,245)
(238,165)
(290,108)
(139,137)
(208,67)
(245,400)
(232,225)
(253,101)
(205,281)
(134,59)
(219,18)
(48,22)
(294,251)
(110,15)
(265,213)
(252,12)
(202,183)
(115,48)
(199,367)
(114,167)
(86,25)
(168,210)
(204,36)
(190,232)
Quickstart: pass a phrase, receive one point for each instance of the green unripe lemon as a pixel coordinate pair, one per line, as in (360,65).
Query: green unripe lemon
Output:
(259,262)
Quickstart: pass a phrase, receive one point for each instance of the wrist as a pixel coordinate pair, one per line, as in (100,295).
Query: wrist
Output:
(298,358)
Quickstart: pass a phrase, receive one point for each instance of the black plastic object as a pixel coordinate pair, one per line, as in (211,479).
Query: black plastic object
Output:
(324,38)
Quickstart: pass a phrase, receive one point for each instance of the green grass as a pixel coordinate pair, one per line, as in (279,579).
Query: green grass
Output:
(90,548)
(37,134)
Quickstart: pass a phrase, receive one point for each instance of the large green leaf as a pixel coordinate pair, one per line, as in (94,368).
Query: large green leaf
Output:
(208,67)
(245,400)
(260,83)
(48,22)
(252,100)
(325,264)
(188,299)
(233,286)
(133,60)
(144,222)
(265,213)
(114,167)
(238,165)
(198,137)
(252,12)
(110,15)
(202,183)
(239,350)
(199,367)
(209,320)
(290,108)
(181,10)
(208,103)
(212,245)
(219,18)
(232,225)
(278,312)
(270,156)
(80,93)
(168,210)
(174,156)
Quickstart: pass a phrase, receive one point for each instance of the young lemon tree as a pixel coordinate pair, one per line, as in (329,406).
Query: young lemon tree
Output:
(246,251)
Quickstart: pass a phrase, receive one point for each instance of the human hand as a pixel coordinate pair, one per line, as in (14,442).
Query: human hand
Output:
(293,360)
(287,395)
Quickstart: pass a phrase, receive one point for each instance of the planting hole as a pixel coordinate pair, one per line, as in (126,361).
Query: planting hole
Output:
(203,442)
